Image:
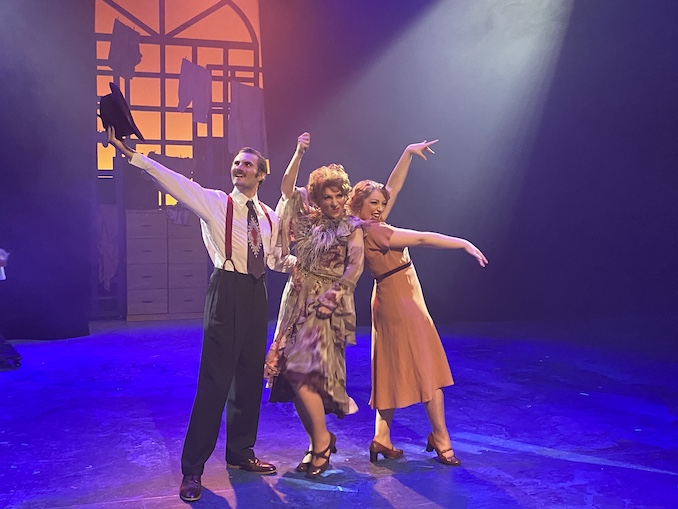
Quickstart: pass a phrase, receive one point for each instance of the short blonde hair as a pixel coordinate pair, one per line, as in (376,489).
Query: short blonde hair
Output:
(361,191)
(333,175)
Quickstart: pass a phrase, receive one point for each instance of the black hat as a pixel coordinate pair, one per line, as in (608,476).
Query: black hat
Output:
(114,111)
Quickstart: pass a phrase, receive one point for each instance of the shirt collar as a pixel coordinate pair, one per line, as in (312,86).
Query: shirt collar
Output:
(242,200)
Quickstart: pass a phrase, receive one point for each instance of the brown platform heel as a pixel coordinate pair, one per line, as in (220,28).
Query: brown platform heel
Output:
(376,449)
(431,446)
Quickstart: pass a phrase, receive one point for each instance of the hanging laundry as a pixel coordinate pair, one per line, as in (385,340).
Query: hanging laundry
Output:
(108,244)
(124,54)
(195,85)
(246,122)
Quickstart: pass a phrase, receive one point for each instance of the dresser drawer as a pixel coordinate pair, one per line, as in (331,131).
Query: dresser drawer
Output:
(146,302)
(186,251)
(186,300)
(146,250)
(146,275)
(188,275)
(149,224)
(190,230)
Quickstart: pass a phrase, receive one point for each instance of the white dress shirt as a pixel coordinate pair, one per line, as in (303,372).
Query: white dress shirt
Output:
(210,206)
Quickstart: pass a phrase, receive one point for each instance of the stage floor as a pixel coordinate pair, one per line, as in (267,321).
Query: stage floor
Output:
(542,416)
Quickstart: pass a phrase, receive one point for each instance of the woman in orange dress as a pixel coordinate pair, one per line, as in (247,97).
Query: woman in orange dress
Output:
(409,364)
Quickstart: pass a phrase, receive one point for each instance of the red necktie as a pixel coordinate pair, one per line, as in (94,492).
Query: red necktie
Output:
(255,251)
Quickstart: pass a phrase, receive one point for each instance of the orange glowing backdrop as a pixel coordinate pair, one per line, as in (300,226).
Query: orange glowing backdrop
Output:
(222,35)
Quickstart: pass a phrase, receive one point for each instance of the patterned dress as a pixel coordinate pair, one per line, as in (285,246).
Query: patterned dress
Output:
(307,350)
(408,360)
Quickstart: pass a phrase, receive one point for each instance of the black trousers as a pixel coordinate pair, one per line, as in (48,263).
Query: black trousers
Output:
(231,370)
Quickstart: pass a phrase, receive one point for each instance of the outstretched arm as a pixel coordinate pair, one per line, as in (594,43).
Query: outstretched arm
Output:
(289,179)
(189,193)
(110,136)
(399,174)
(403,238)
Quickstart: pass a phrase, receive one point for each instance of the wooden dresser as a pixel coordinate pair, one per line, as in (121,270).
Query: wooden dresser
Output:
(167,267)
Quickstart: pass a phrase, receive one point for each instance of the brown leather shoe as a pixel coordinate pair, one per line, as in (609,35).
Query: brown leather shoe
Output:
(303,465)
(254,465)
(191,488)
(452,461)
(315,470)
(376,449)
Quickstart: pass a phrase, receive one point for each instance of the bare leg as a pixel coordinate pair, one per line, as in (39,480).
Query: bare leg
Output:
(435,409)
(382,427)
(310,405)
(306,421)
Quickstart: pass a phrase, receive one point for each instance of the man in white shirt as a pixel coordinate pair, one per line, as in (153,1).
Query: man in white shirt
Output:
(236,321)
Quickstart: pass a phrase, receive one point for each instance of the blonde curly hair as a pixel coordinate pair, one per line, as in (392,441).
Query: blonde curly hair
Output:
(332,175)
(361,191)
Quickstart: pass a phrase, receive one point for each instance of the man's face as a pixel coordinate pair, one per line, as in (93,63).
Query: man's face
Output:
(244,172)
(332,203)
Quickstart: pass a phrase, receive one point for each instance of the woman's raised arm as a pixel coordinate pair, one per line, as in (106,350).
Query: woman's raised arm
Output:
(289,179)
(397,178)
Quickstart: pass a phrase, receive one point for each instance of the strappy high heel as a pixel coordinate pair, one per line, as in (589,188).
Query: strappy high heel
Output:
(314,471)
(303,465)
(431,446)
(376,449)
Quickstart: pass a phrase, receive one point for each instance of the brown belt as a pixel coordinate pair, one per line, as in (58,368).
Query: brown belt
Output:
(393,271)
